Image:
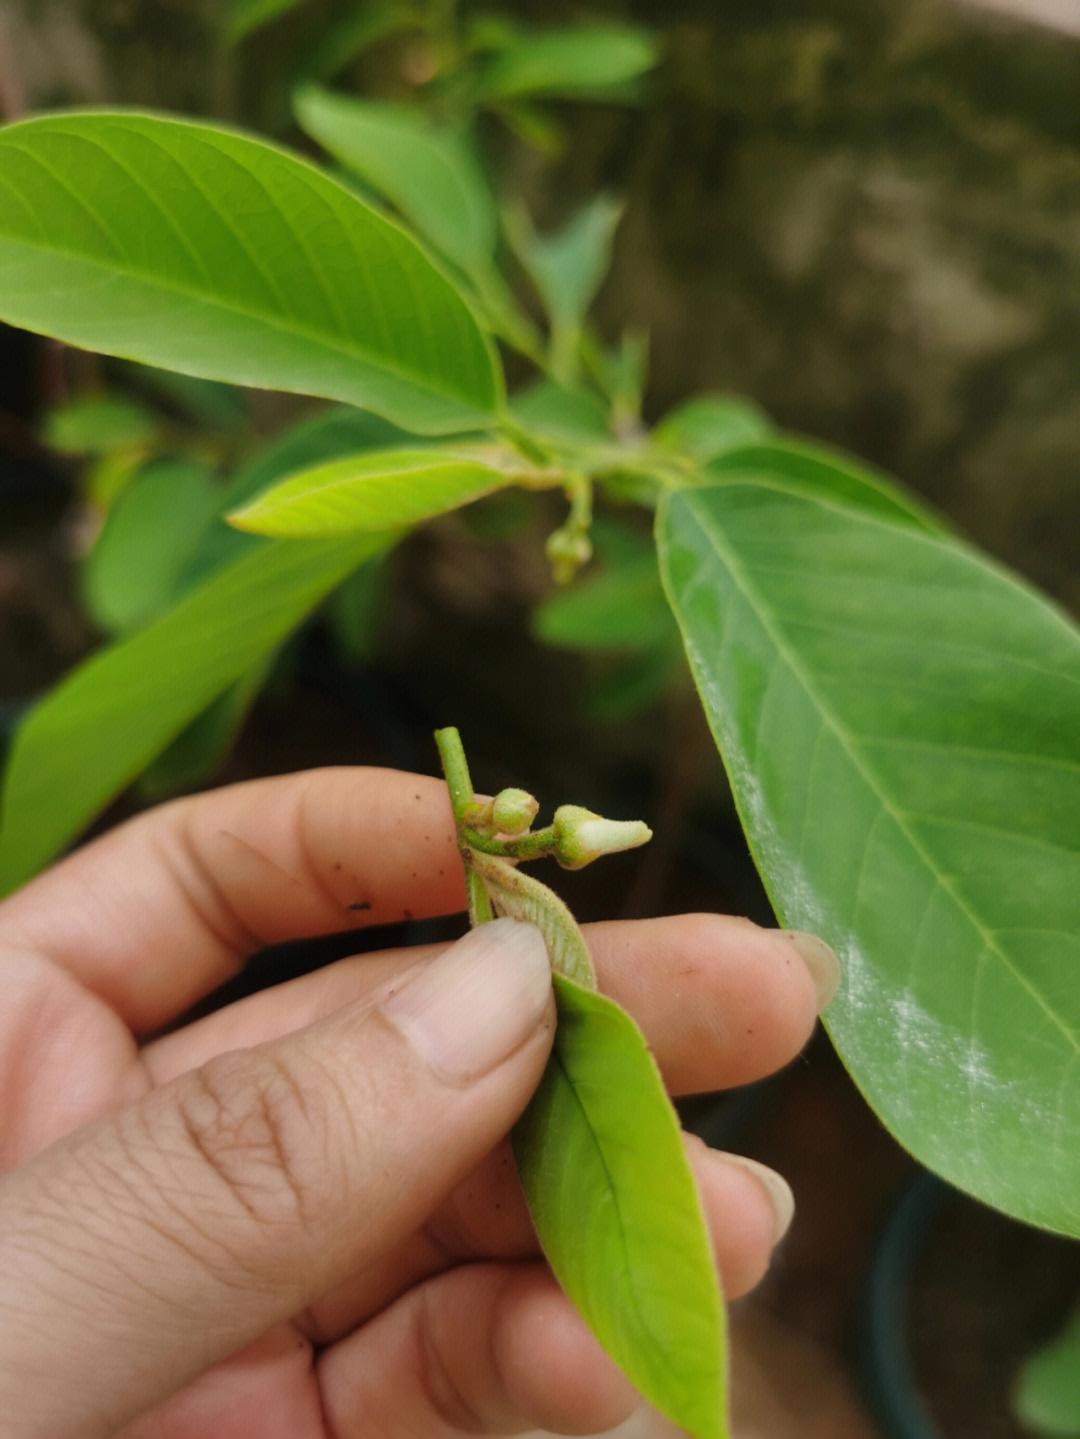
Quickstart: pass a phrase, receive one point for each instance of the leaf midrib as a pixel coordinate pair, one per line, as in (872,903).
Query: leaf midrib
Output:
(628,1269)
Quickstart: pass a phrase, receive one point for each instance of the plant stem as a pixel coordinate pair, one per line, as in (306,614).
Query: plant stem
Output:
(456,769)
(458,782)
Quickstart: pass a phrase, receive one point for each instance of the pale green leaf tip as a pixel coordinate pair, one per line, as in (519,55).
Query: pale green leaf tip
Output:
(255,519)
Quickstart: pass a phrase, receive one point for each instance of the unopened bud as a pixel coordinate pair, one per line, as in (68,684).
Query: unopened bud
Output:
(513,811)
(567,550)
(581,836)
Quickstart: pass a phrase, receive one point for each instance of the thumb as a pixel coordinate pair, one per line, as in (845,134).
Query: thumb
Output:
(145,1247)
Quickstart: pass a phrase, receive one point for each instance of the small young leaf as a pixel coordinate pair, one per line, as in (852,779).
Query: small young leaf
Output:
(94,424)
(601,1159)
(148,537)
(709,425)
(583,61)
(379,490)
(518,896)
(430,174)
(104,723)
(569,417)
(332,434)
(569,267)
(202,250)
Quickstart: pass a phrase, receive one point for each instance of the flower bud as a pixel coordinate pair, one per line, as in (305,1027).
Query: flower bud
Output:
(581,836)
(513,811)
(567,550)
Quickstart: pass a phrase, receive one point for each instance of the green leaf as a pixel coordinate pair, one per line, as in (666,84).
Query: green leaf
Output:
(203,250)
(104,723)
(148,538)
(356,608)
(208,403)
(822,472)
(900,721)
(568,267)
(380,490)
(203,745)
(1047,1397)
(566,416)
(334,433)
(341,42)
(247,16)
(576,62)
(709,425)
(94,424)
(632,685)
(534,125)
(615,1205)
(429,173)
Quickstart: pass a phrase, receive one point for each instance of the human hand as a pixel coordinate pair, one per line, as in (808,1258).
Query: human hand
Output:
(298,1216)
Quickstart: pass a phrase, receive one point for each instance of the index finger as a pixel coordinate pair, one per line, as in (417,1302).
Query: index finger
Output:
(164,909)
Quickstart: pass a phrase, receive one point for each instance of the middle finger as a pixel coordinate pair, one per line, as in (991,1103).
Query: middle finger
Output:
(721,1001)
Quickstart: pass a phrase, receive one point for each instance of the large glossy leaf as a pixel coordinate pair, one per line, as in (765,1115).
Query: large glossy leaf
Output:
(616,1210)
(203,250)
(106,721)
(377,490)
(900,721)
(429,173)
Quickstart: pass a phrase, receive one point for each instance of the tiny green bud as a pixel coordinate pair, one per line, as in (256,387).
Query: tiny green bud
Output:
(581,836)
(567,550)
(513,811)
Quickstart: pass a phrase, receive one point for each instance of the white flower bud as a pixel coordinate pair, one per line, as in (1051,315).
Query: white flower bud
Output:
(513,811)
(581,836)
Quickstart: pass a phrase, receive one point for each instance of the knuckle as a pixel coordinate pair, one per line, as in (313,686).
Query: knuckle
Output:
(262,1135)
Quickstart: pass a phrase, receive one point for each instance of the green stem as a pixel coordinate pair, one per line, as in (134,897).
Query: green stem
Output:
(537,844)
(458,782)
(523,441)
(580,495)
(456,769)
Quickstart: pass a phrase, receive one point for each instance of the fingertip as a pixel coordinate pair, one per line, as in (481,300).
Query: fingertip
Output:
(554,1369)
(749,1208)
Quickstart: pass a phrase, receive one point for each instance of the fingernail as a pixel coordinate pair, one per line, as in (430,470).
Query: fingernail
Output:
(820,960)
(776,1187)
(472,1007)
